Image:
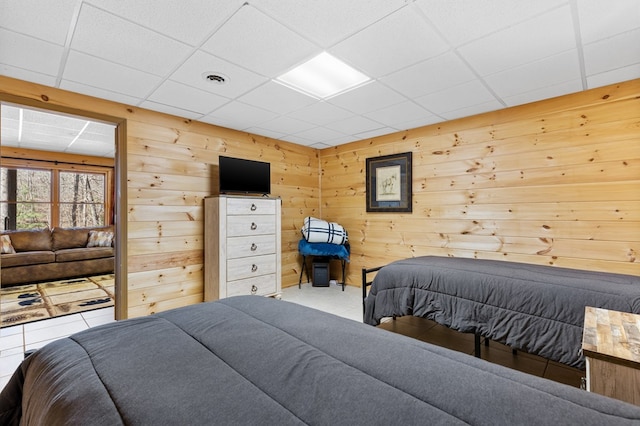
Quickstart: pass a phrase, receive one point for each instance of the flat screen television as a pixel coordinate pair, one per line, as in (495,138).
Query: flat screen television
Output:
(239,176)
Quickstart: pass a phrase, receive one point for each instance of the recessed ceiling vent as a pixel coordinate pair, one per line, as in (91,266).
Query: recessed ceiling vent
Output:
(215,77)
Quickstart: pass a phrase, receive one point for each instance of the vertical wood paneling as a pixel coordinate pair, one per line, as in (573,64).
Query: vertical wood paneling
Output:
(555,182)
(171,167)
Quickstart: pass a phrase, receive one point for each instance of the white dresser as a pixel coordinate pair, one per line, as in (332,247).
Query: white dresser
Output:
(242,253)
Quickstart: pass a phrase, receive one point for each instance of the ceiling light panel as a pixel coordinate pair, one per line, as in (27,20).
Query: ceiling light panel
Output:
(323,76)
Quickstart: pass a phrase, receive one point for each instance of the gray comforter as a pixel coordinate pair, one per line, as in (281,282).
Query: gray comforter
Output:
(253,360)
(539,309)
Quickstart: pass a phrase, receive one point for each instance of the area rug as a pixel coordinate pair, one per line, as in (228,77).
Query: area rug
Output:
(32,302)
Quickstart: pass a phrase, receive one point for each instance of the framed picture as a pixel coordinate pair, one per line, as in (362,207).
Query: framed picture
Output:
(389,183)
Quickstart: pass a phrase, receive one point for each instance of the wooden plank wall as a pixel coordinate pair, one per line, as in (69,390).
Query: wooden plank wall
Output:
(555,182)
(170,169)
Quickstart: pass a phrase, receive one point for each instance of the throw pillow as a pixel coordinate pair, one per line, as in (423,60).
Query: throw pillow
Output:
(5,244)
(100,239)
(320,231)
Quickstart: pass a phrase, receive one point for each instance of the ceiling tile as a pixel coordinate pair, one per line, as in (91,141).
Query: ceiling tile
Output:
(187,98)
(318,20)
(321,113)
(354,125)
(400,40)
(472,110)
(601,19)
(397,115)
(319,134)
(112,38)
(27,75)
(546,92)
(106,75)
(610,77)
(530,41)
(286,125)
(277,98)
(238,80)
(455,98)
(85,89)
(253,40)
(612,53)
(170,109)
(429,76)
(46,20)
(375,132)
(237,115)
(547,72)
(188,21)
(265,132)
(42,57)
(367,98)
(461,21)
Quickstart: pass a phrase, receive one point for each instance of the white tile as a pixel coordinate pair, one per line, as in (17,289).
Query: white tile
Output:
(547,92)
(615,76)
(462,20)
(114,39)
(286,125)
(253,40)
(52,322)
(277,98)
(400,40)
(367,98)
(238,115)
(185,20)
(544,73)
(29,53)
(472,110)
(429,76)
(455,98)
(108,76)
(319,134)
(612,53)
(96,92)
(602,19)
(530,41)
(27,75)
(102,312)
(44,20)
(353,125)
(321,113)
(11,342)
(10,363)
(238,80)
(398,114)
(319,20)
(33,337)
(187,98)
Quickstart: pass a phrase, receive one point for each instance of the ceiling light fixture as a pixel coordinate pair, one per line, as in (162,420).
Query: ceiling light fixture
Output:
(322,77)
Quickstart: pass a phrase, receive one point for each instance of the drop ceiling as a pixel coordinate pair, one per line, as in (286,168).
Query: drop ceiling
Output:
(430,60)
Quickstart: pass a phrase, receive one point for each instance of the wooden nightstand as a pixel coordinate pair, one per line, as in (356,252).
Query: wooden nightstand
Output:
(611,345)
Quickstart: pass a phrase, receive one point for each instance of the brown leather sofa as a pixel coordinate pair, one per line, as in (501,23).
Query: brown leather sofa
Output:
(61,253)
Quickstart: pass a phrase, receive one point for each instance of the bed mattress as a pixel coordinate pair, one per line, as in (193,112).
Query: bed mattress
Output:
(254,360)
(539,309)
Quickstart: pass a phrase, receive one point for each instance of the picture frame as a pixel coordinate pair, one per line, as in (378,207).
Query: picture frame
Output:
(388,183)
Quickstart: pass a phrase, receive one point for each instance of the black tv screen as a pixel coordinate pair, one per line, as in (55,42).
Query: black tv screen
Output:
(239,176)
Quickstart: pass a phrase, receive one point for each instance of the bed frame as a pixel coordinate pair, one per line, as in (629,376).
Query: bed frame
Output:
(535,308)
(256,360)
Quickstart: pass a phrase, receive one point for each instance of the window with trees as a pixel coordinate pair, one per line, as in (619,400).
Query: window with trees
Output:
(36,198)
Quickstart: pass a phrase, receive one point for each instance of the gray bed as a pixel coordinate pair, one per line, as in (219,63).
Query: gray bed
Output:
(539,309)
(253,360)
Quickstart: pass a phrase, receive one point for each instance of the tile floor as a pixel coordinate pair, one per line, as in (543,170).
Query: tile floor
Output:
(17,339)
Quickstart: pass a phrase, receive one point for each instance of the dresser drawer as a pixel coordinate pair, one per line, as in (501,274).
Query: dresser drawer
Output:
(244,206)
(238,226)
(251,246)
(261,286)
(238,269)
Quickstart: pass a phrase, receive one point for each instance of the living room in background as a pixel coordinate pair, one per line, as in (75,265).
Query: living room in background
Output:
(57,174)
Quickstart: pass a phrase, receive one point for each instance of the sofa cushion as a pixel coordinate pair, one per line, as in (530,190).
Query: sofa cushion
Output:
(27,258)
(5,245)
(100,239)
(37,240)
(72,255)
(66,238)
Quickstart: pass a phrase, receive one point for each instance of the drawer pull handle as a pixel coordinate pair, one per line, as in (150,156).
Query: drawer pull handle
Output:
(253,207)
(254,267)
(254,226)
(254,247)
(254,289)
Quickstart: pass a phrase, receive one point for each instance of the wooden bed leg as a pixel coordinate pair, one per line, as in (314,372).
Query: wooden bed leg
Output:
(486,341)
(477,345)
(304,263)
